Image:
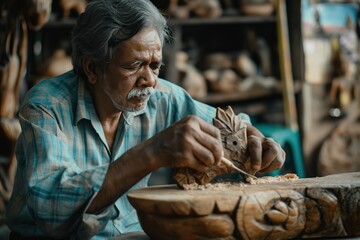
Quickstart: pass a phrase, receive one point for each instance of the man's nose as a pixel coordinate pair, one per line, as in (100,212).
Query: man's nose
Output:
(148,77)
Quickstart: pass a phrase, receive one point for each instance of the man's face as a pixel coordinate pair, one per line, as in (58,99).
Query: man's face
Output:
(132,74)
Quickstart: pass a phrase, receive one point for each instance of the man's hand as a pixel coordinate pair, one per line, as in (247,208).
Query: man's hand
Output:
(266,155)
(191,142)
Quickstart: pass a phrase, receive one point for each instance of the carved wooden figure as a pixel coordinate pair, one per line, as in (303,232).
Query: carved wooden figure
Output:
(12,70)
(72,5)
(257,7)
(340,152)
(234,140)
(37,13)
(190,77)
(303,208)
(21,15)
(199,8)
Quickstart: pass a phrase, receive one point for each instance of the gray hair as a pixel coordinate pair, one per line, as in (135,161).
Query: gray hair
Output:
(107,23)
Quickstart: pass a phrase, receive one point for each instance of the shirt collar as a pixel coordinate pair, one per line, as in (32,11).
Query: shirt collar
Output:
(86,109)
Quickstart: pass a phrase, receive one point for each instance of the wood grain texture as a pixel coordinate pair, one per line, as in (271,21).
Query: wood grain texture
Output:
(304,208)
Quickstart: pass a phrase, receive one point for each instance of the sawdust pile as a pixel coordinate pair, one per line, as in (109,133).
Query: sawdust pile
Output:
(269,179)
(226,185)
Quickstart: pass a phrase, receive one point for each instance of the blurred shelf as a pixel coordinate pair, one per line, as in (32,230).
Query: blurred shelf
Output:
(70,22)
(250,95)
(62,23)
(66,23)
(222,20)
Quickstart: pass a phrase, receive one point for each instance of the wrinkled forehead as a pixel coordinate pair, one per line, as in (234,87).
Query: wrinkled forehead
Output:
(147,41)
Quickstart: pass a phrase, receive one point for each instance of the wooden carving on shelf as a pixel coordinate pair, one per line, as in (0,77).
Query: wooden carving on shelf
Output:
(72,5)
(36,12)
(20,16)
(257,7)
(234,141)
(200,8)
(301,208)
(340,151)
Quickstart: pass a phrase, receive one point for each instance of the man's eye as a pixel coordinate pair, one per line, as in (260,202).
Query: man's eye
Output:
(156,66)
(134,66)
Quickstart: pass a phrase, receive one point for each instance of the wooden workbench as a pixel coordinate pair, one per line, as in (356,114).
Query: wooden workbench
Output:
(304,208)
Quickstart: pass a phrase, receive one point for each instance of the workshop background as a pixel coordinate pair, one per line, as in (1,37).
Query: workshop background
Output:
(292,65)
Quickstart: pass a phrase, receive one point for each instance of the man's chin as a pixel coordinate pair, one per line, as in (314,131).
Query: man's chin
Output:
(135,108)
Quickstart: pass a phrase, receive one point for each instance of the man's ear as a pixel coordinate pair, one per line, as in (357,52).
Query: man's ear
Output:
(89,67)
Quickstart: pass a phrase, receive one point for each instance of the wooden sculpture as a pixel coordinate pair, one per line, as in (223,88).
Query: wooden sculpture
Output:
(219,74)
(77,6)
(234,140)
(36,12)
(183,9)
(303,208)
(190,77)
(12,72)
(340,152)
(257,7)
(21,15)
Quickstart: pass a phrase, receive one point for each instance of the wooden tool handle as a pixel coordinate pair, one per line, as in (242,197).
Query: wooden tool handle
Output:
(230,164)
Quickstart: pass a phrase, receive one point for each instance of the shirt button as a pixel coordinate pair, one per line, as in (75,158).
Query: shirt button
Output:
(116,222)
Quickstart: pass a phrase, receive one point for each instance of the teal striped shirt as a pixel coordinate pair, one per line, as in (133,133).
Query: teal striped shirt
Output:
(63,157)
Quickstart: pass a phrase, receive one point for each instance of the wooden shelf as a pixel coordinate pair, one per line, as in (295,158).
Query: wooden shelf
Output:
(222,20)
(251,95)
(63,23)
(70,22)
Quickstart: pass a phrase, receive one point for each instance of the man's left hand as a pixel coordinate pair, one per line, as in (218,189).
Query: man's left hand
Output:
(266,155)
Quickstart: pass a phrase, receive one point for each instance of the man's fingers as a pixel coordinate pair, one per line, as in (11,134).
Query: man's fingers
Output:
(273,164)
(201,143)
(270,152)
(255,152)
(209,129)
(266,155)
(210,137)
(204,158)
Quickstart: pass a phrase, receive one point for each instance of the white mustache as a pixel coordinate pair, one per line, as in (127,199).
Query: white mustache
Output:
(146,92)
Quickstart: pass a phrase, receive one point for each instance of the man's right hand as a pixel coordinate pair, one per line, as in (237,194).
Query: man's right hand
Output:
(191,142)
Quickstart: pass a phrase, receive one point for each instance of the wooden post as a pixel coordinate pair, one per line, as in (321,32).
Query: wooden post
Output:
(285,66)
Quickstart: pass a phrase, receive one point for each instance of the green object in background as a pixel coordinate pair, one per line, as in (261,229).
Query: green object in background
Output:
(290,141)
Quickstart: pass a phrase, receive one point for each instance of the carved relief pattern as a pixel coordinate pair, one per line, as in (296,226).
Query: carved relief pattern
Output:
(306,208)
(233,136)
(270,216)
(234,141)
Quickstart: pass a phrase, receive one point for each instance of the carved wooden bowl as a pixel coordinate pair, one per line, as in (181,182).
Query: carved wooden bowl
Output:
(304,208)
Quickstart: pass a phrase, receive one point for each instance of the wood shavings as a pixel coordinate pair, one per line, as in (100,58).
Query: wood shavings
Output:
(270,179)
(226,185)
(213,186)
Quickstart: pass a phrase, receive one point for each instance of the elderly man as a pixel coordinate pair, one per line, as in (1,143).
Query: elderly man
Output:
(92,134)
